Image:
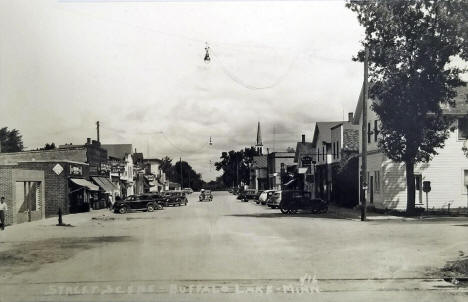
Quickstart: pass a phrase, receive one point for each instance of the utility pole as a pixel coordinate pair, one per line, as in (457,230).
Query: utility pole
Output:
(364,137)
(97,128)
(268,169)
(181,176)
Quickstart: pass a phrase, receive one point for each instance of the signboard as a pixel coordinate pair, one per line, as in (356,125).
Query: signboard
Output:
(427,186)
(306,161)
(57,169)
(76,170)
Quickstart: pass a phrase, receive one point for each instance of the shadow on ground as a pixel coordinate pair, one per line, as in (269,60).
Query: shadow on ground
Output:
(31,255)
(329,215)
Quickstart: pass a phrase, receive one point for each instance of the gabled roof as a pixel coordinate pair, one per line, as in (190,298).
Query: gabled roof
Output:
(358,110)
(461,104)
(259,161)
(117,150)
(303,148)
(324,130)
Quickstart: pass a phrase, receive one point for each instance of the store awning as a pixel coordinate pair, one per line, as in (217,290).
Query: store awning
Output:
(105,184)
(84,183)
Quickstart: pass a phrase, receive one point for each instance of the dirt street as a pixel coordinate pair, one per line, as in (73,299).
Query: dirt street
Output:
(231,251)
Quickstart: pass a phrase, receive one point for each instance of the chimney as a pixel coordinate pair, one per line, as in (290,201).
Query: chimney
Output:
(88,141)
(350,117)
(303,138)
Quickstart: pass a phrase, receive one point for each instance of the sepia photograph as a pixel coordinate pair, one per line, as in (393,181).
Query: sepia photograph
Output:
(233,150)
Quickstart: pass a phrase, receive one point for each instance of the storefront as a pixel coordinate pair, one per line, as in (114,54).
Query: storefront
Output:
(83,195)
(108,191)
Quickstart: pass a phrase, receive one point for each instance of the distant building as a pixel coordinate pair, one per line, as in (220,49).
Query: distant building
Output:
(259,173)
(304,157)
(154,176)
(277,163)
(323,158)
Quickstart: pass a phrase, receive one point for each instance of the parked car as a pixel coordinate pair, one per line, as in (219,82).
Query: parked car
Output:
(257,196)
(294,200)
(249,194)
(175,198)
(158,198)
(274,200)
(135,202)
(264,196)
(206,195)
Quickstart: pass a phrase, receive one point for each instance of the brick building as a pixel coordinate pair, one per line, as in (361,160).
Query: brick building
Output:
(37,189)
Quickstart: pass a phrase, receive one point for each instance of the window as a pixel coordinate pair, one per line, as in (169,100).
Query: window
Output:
(463,128)
(338,149)
(465,181)
(377,181)
(376,130)
(368,133)
(334,150)
(323,153)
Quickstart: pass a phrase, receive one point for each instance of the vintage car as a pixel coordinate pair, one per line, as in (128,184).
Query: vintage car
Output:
(135,203)
(175,198)
(293,201)
(264,196)
(206,195)
(249,194)
(274,200)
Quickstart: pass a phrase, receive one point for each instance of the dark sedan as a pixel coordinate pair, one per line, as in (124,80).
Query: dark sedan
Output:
(175,198)
(136,203)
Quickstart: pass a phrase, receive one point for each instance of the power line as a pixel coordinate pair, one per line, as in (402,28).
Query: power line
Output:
(253,87)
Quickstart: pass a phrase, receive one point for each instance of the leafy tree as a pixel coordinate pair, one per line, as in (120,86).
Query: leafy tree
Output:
(411,44)
(236,165)
(190,178)
(166,167)
(11,140)
(49,146)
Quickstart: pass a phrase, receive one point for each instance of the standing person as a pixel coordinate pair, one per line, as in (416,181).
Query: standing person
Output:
(3,210)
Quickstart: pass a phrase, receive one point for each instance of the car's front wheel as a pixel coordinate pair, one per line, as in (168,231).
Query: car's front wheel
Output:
(150,207)
(123,210)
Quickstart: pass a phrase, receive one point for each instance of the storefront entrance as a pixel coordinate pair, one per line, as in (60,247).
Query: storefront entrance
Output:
(28,200)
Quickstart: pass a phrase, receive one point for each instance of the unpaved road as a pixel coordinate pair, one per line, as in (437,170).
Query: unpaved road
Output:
(227,250)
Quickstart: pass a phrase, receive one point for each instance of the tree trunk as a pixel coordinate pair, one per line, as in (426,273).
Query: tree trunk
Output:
(410,189)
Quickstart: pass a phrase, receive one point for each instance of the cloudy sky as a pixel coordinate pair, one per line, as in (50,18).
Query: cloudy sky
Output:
(137,67)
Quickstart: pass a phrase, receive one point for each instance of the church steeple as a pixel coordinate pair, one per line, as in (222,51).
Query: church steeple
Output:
(259,145)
